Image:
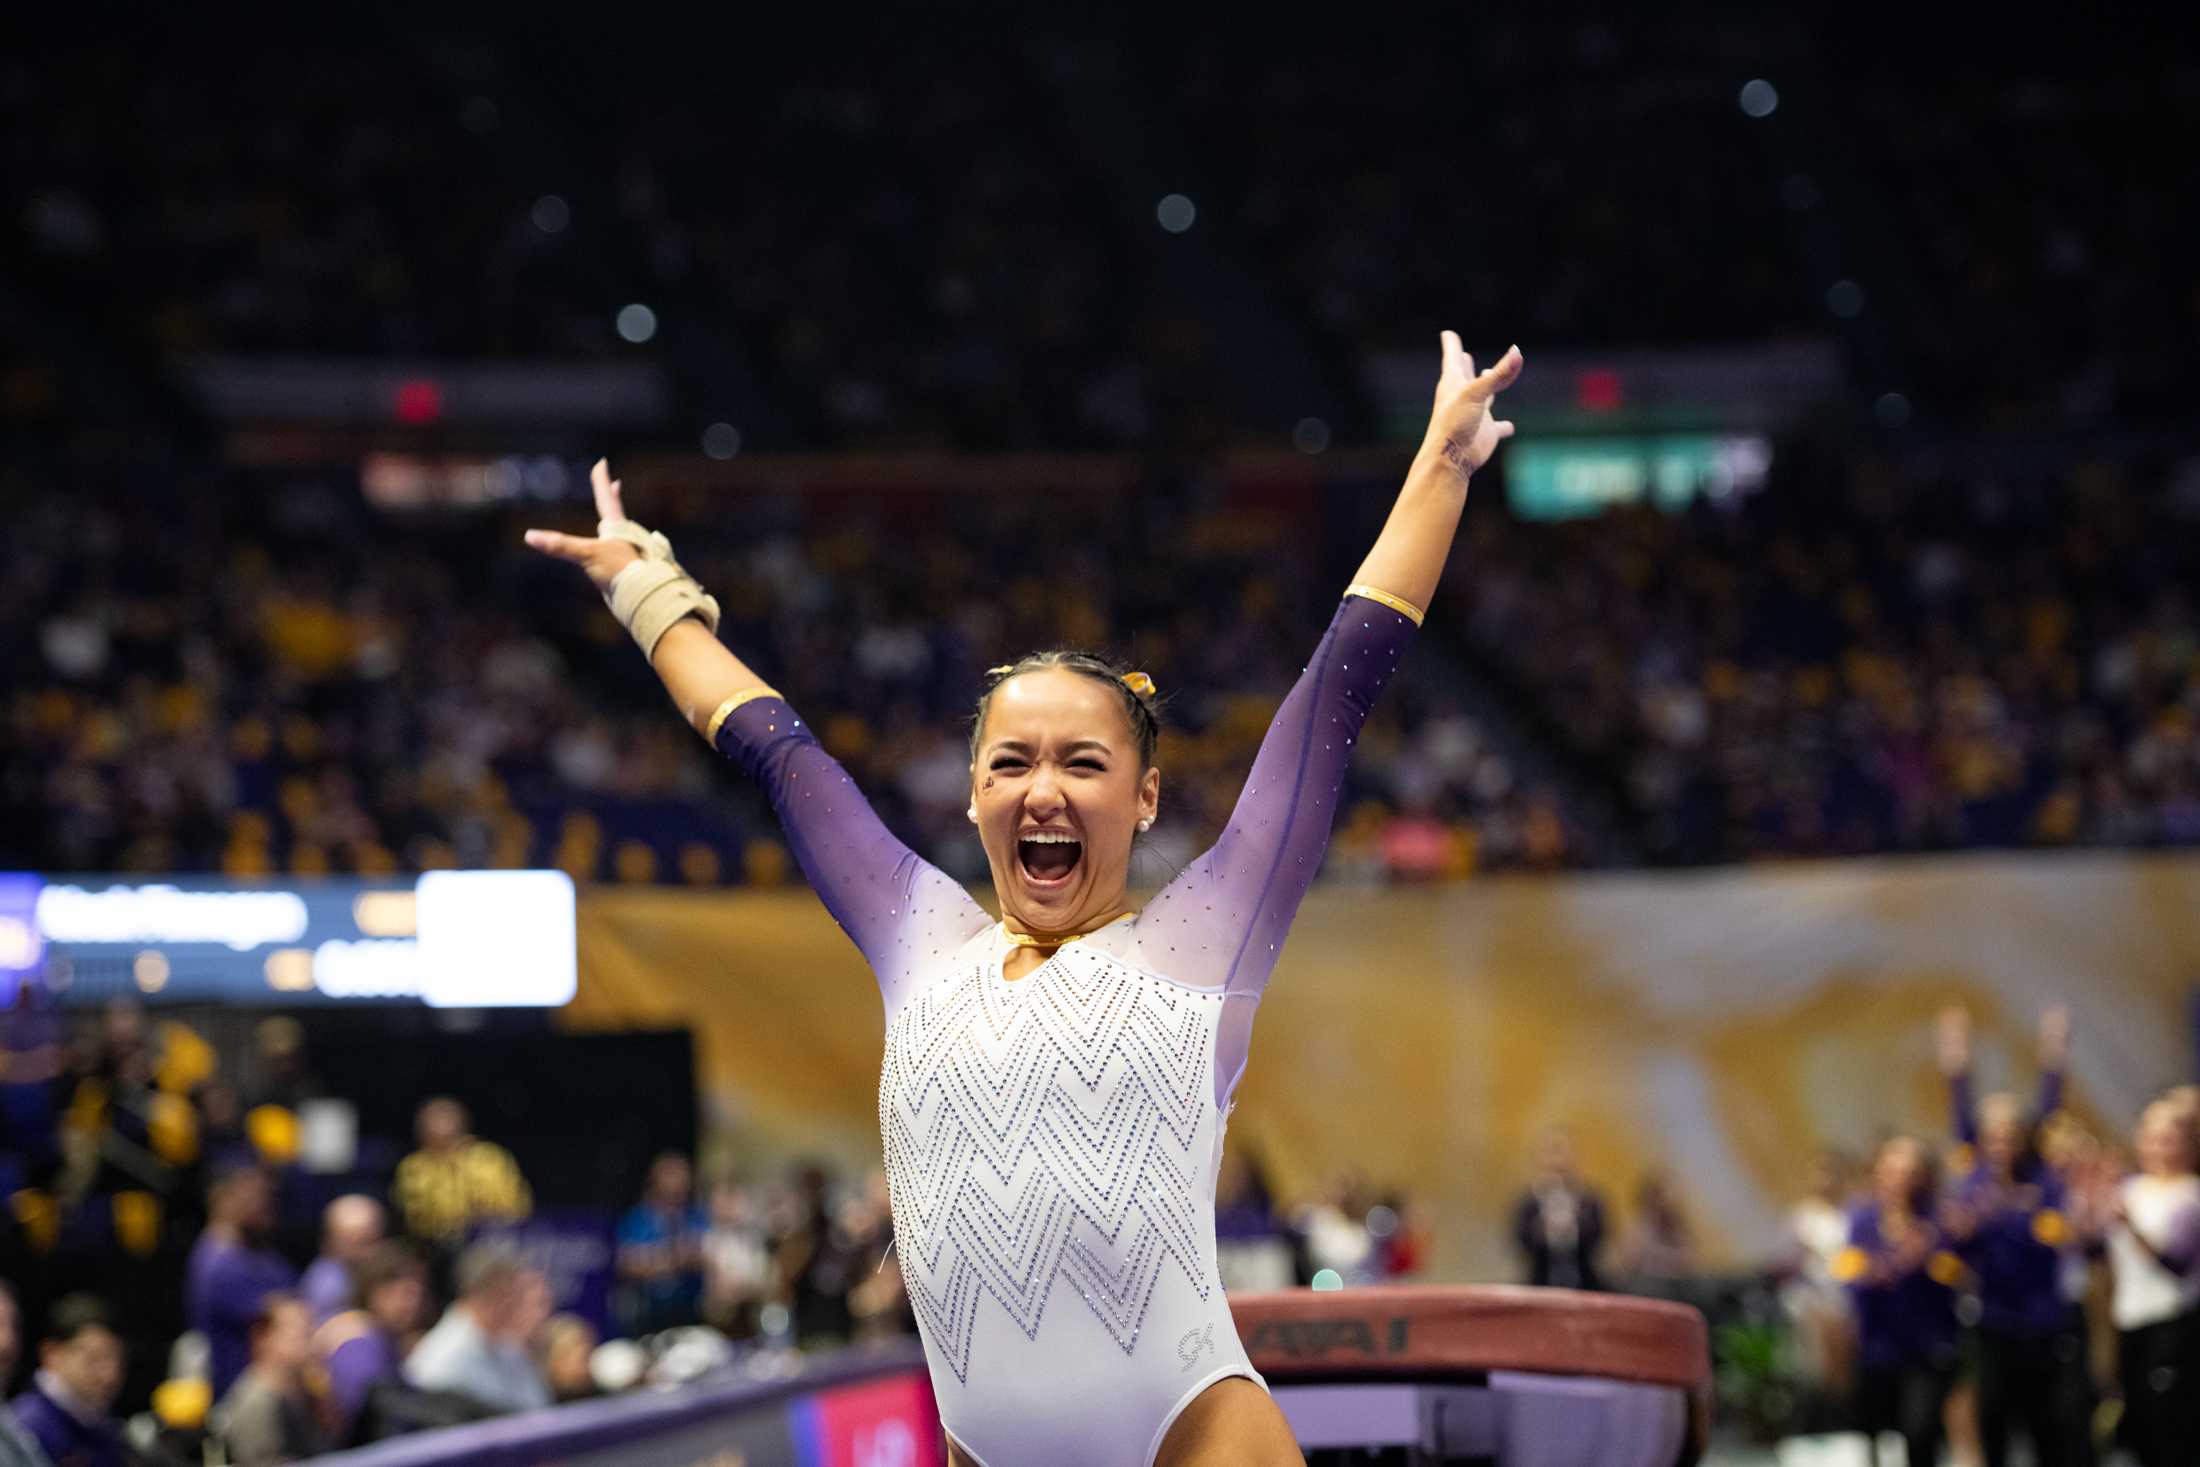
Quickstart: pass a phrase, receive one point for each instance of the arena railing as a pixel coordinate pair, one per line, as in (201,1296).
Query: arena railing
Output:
(857,1407)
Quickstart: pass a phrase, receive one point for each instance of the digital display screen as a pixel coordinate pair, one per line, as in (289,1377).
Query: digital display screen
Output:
(449,939)
(1568,478)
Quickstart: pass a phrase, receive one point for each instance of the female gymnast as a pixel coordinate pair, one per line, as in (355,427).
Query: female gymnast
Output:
(1056,1083)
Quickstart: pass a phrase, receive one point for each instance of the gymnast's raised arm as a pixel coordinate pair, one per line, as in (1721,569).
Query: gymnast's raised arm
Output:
(1222,922)
(1463,431)
(894,905)
(698,670)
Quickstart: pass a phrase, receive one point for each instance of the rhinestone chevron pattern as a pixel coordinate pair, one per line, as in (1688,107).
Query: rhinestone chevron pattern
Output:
(1041,1129)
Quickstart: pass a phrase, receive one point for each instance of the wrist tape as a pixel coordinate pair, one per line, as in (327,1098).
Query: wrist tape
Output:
(651,595)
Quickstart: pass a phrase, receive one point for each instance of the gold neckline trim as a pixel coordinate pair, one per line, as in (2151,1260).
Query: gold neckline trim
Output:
(1025,939)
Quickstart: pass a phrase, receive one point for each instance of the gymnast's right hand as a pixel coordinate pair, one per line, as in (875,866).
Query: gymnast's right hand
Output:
(602,558)
(644,586)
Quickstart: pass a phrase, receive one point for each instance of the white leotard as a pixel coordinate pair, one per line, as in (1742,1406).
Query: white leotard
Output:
(1052,1141)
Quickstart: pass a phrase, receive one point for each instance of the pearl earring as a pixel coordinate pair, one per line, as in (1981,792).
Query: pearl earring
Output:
(1146,824)
(972,812)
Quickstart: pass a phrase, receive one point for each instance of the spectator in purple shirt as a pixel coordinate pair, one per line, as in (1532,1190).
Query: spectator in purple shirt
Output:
(1254,1247)
(30,1067)
(364,1346)
(232,1270)
(2011,1221)
(1952,1040)
(79,1374)
(351,1227)
(1901,1276)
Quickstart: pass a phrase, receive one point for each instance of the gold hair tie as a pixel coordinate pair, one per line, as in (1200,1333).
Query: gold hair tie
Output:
(1138,683)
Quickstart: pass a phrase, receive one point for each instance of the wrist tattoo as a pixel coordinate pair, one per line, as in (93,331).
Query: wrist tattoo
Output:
(1458,452)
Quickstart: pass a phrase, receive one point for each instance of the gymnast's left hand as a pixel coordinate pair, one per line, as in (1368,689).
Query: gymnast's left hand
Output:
(1464,429)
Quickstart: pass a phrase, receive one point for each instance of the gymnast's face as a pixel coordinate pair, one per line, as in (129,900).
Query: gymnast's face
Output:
(1058,795)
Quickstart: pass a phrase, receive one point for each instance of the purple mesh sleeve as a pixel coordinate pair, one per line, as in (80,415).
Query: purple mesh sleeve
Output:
(900,910)
(1222,923)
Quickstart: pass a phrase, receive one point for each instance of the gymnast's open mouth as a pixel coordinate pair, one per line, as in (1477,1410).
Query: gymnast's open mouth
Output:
(1048,856)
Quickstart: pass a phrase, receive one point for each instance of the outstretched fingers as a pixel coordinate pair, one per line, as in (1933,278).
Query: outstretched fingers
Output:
(609,506)
(1458,366)
(1500,376)
(574,548)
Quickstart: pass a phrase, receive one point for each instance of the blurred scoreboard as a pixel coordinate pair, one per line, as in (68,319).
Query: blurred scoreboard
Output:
(447,939)
(1566,477)
(1663,428)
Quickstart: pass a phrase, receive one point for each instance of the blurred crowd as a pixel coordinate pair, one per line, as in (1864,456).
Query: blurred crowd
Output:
(896,241)
(2021,1280)
(170,1255)
(181,1282)
(1876,653)
(1348,1232)
(284,682)
(173,1253)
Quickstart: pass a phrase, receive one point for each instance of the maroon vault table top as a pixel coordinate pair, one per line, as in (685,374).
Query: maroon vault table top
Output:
(1431,1331)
